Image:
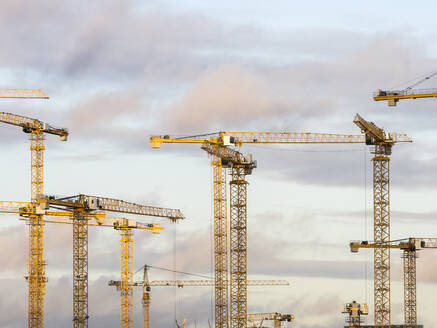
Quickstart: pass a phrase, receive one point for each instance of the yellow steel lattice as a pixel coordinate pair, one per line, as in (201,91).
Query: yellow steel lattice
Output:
(126,282)
(23,93)
(220,245)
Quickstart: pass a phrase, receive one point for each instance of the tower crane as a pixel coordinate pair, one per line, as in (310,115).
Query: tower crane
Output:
(228,139)
(382,143)
(240,166)
(36,264)
(393,96)
(24,209)
(80,205)
(23,93)
(409,248)
(276,317)
(147,287)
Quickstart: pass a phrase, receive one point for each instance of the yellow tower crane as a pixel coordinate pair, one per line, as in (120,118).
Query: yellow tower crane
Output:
(219,182)
(147,287)
(382,143)
(276,317)
(393,96)
(240,166)
(93,219)
(228,139)
(81,205)
(23,93)
(409,248)
(36,264)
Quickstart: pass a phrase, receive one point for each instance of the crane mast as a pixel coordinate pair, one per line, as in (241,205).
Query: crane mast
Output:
(220,243)
(240,167)
(383,143)
(36,265)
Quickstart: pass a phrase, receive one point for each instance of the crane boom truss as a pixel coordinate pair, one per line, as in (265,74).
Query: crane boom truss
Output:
(23,93)
(238,138)
(32,125)
(199,283)
(115,205)
(392,97)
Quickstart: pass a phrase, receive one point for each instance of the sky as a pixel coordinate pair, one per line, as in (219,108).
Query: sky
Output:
(120,71)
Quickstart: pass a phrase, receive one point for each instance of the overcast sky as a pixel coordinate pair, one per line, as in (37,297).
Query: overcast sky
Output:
(120,71)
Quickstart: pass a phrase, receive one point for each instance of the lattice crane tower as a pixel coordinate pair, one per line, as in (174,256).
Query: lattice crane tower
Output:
(36,265)
(383,143)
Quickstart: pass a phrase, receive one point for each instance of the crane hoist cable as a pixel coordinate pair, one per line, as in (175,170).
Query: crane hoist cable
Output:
(170,270)
(416,81)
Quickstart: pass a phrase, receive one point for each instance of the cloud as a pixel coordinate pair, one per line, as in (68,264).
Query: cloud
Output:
(101,110)
(227,94)
(101,40)
(14,239)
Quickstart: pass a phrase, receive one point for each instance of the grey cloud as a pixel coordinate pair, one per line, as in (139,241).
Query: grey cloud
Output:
(229,93)
(104,38)
(102,109)
(103,303)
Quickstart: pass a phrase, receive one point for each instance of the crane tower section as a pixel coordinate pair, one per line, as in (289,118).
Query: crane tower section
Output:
(383,143)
